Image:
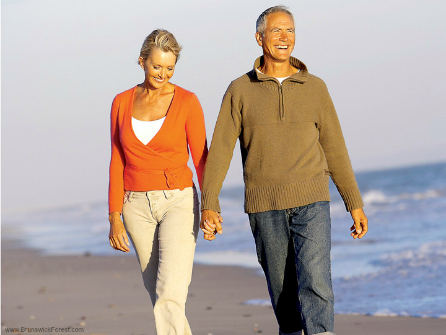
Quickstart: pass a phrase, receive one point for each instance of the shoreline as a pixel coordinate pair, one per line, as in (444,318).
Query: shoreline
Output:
(105,295)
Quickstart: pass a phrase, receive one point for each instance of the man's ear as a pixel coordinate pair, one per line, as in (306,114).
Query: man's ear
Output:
(259,38)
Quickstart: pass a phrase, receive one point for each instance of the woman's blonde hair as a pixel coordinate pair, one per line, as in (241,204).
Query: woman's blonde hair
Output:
(161,39)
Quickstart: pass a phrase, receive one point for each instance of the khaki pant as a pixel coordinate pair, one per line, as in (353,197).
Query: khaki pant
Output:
(163,227)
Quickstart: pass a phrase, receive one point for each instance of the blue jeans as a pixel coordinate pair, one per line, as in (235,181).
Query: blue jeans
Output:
(293,248)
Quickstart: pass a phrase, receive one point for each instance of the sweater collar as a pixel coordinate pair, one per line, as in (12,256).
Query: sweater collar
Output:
(301,76)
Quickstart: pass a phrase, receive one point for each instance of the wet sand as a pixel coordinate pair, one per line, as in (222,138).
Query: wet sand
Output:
(105,295)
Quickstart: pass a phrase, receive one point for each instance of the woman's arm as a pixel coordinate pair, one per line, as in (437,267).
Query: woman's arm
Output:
(117,163)
(196,136)
(118,236)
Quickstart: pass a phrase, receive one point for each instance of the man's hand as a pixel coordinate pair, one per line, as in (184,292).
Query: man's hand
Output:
(211,224)
(360,226)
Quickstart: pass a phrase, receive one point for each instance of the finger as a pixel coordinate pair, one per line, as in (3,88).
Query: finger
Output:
(126,240)
(209,237)
(111,242)
(358,227)
(209,226)
(220,218)
(116,244)
(124,243)
(219,228)
(207,231)
(120,243)
(354,234)
(365,229)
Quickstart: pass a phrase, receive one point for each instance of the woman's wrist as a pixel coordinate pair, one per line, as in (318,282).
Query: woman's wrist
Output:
(113,216)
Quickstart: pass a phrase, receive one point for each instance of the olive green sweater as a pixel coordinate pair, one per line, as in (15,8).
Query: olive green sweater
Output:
(290,139)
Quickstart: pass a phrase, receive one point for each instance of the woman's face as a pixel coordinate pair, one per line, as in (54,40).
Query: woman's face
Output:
(158,67)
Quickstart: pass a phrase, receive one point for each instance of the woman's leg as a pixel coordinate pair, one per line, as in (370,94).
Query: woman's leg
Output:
(142,229)
(178,216)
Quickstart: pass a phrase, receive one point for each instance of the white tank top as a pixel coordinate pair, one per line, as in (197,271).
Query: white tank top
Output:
(146,130)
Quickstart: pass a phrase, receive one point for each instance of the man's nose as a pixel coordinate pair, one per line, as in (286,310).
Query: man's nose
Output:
(283,35)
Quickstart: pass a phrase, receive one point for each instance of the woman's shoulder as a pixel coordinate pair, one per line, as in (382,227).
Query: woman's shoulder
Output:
(183,93)
(127,94)
(187,97)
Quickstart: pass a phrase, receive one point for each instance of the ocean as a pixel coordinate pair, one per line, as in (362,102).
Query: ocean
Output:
(397,269)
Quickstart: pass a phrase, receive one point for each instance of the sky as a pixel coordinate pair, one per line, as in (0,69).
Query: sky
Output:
(64,61)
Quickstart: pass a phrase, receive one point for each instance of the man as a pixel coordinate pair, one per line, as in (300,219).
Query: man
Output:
(291,143)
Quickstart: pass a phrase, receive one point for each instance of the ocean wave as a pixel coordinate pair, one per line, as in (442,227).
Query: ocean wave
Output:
(378,197)
(409,283)
(429,254)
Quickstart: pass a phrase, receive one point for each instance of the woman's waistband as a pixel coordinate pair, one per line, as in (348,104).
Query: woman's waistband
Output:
(173,176)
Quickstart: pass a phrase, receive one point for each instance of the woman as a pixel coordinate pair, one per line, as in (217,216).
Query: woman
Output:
(152,126)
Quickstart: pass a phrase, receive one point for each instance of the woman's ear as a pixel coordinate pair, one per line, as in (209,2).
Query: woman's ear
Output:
(141,62)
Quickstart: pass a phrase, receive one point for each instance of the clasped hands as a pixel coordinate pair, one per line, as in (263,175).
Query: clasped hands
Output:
(211,224)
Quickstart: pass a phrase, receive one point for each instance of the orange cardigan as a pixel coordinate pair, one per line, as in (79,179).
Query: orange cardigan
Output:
(162,163)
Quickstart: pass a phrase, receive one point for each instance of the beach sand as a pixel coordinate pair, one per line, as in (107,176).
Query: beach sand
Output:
(105,295)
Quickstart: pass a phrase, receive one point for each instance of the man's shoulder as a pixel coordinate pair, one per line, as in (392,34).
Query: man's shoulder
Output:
(315,80)
(243,82)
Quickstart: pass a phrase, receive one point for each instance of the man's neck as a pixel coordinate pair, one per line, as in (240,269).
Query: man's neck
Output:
(277,69)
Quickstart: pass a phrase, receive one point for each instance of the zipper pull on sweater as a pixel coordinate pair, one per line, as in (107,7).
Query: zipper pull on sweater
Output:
(281,109)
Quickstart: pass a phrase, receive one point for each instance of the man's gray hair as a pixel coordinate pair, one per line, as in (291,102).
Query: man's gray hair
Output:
(261,21)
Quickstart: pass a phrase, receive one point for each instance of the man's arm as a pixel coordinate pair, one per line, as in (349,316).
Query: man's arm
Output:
(339,165)
(227,130)
(335,150)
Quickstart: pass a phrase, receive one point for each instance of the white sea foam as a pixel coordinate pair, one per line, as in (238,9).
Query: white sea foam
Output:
(258,302)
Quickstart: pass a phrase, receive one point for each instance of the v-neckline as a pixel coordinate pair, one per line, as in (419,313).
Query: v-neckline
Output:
(165,120)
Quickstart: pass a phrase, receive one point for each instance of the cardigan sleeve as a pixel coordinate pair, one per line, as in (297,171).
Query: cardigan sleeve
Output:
(117,163)
(227,130)
(335,150)
(196,137)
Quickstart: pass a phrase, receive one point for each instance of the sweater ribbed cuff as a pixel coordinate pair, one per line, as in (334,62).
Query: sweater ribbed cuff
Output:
(352,199)
(209,200)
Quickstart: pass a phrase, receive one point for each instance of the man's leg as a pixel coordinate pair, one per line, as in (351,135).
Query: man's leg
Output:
(310,230)
(276,256)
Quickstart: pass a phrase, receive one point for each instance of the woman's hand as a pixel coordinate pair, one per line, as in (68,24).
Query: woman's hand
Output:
(118,235)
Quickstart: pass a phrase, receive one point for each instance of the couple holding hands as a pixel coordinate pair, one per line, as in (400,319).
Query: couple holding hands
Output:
(291,144)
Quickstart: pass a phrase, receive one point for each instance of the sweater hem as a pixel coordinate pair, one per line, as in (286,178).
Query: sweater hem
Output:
(277,197)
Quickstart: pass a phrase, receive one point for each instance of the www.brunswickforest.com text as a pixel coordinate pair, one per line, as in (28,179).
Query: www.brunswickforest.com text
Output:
(43,330)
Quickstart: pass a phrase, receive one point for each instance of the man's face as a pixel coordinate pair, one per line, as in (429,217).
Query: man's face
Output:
(277,41)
